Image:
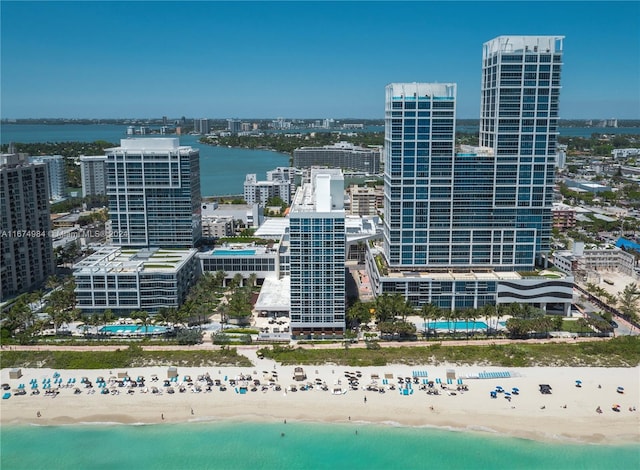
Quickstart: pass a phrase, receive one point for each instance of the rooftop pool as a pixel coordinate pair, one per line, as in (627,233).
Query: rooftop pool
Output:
(234,252)
(133,329)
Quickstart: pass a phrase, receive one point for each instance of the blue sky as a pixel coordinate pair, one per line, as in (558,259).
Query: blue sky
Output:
(295,59)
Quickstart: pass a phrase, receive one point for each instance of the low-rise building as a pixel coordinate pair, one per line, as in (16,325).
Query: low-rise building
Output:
(242,258)
(343,155)
(127,280)
(218,227)
(564,216)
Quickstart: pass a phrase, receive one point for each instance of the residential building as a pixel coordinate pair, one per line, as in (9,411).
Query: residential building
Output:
(317,256)
(56,175)
(201,126)
(625,153)
(259,192)
(365,200)
(561,157)
(564,216)
(519,122)
(343,155)
(582,262)
(127,280)
(153,185)
(93,174)
(234,125)
(419,187)
(218,226)
(26,251)
(466,229)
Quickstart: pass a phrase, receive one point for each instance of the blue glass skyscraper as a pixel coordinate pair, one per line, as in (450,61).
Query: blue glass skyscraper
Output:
(519,124)
(486,208)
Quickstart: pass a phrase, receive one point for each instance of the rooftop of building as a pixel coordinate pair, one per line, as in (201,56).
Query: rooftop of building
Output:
(240,249)
(531,44)
(341,146)
(275,295)
(113,259)
(151,145)
(324,194)
(93,158)
(409,91)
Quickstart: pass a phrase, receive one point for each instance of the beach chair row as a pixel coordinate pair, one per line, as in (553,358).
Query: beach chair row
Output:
(494,375)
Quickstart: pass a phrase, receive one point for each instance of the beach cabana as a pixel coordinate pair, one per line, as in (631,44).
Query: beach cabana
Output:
(15,373)
(172,372)
(298,374)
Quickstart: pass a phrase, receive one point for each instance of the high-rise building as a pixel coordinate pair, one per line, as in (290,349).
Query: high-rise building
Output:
(57,176)
(92,170)
(153,185)
(26,250)
(234,125)
(461,228)
(418,173)
(519,123)
(201,126)
(317,256)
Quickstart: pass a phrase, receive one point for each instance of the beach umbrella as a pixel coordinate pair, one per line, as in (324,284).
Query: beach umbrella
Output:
(620,389)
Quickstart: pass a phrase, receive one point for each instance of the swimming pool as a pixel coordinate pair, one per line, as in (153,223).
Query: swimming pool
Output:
(234,252)
(133,329)
(455,325)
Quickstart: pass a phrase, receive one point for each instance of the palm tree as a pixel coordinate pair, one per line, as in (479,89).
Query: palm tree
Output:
(429,311)
(488,311)
(144,318)
(628,300)
(165,316)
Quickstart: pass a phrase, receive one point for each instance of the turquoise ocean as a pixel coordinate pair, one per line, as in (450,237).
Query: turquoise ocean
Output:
(224,445)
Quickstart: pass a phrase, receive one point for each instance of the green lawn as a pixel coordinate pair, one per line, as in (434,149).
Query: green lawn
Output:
(129,357)
(617,352)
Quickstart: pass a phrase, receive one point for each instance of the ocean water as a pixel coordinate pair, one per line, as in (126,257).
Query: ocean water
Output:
(224,445)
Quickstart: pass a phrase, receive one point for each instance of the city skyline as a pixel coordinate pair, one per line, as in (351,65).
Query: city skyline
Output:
(294,59)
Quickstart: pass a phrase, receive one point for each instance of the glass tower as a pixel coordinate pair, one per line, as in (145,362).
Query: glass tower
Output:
(519,124)
(153,185)
(418,173)
(486,208)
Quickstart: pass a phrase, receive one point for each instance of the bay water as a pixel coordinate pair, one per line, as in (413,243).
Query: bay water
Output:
(227,445)
(222,169)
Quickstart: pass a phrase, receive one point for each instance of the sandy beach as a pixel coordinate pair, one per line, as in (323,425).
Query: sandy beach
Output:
(568,413)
